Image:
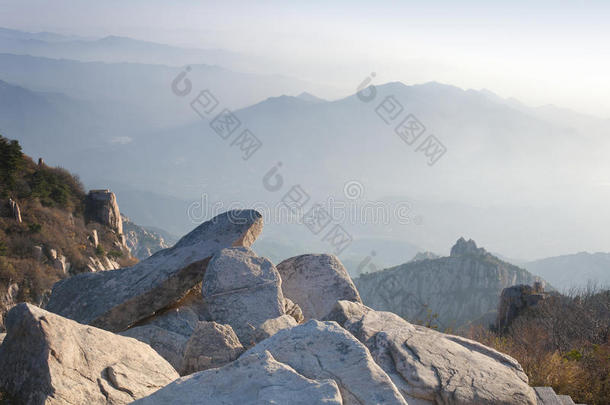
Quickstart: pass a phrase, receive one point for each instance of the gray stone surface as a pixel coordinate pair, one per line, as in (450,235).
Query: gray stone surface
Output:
(211,345)
(48,359)
(429,367)
(168,344)
(565,400)
(254,379)
(272,326)
(321,350)
(546,396)
(115,300)
(243,290)
(316,282)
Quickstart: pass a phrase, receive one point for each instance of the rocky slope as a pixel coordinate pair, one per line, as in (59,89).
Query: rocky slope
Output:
(447,292)
(50,228)
(215,312)
(144,242)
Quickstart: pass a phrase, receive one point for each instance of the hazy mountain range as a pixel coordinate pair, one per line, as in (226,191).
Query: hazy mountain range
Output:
(104,109)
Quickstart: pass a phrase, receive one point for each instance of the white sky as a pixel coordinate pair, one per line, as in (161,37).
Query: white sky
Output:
(541,52)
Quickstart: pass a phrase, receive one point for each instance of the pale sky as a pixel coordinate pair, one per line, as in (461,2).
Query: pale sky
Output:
(540,52)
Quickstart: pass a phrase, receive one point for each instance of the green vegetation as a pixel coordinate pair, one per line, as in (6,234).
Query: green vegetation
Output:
(11,161)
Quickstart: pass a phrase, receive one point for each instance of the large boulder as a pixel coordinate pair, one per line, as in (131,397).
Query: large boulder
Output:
(321,350)
(515,300)
(243,290)
(254,379)
(211,345)
(48,359)
(114,300)
(316,282)
(430,367)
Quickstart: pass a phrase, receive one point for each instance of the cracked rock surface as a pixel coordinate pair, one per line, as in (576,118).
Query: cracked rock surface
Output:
(321,350)
(430,367)
(253,379)
(48,359)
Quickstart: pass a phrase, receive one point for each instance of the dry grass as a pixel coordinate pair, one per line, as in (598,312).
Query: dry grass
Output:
(563,344)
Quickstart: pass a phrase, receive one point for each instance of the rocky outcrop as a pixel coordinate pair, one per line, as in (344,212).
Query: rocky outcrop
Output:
(115,300)
(15,210)
(253,379)
(48,359)
(467,247)
(517,299)
(103,263)
(429,367)
(316,283)
(243,290)
(322,350)
(101,206)
(464,287)
(211,345)
(142,242)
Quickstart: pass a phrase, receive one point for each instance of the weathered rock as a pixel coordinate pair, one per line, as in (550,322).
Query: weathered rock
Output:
(15,210)
(254,379)
(515,300)
(316,283)
(320,350)
(48,359)
(94,238)
(2,336)
(101,206)
(168,344)
(293,310)
(143,242)
(212,345)
(243,290)
(37,253)
(114,300)
(429,367)
(272,326)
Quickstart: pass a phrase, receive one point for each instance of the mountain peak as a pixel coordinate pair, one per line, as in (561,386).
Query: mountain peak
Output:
(310,97)
(463,247)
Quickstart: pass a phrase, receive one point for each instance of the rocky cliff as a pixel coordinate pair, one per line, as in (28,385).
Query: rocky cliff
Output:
(144,242)
(516,300)
(448,292)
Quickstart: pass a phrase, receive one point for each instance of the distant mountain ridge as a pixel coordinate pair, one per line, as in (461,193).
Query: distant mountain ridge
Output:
(573,271)
(449,292)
